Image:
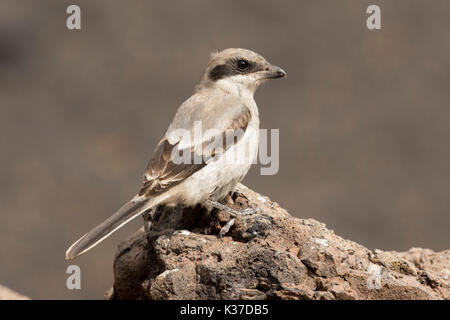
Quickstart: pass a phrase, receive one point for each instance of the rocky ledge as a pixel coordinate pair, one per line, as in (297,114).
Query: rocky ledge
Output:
(8,294)
(268,255)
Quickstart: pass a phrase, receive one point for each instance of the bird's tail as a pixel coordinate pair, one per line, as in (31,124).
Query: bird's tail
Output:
(124,215)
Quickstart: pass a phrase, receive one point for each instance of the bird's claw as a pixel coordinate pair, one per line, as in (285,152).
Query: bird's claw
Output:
(226,228)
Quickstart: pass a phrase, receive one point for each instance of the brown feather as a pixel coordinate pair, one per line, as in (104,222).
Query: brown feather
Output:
(163,174)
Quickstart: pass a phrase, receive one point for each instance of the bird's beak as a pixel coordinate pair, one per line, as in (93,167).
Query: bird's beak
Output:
(271,72)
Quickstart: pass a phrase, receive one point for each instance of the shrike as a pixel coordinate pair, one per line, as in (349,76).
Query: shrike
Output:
(223,105)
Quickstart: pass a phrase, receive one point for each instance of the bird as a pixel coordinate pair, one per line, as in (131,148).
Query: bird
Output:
(222,107)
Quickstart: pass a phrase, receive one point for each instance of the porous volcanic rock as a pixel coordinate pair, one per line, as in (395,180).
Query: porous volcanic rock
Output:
(267,255)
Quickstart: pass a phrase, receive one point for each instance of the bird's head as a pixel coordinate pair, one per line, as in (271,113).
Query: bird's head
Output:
(238,69)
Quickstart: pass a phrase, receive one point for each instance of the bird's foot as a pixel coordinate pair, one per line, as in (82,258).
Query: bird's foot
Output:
(233,212)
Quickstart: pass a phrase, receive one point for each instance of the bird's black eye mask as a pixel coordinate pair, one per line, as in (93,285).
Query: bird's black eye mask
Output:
(234,67)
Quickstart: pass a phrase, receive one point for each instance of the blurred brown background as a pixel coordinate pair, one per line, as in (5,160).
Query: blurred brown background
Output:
(363,119)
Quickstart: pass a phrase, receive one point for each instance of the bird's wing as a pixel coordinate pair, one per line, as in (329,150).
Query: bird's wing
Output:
(223,119)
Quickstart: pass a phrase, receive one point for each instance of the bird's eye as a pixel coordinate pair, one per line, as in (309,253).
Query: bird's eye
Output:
(243,64)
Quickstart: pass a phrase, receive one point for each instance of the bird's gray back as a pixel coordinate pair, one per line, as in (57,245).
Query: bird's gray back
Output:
(215,109)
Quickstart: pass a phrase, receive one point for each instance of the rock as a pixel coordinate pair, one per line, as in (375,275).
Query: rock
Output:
(268,255)
(8,294)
